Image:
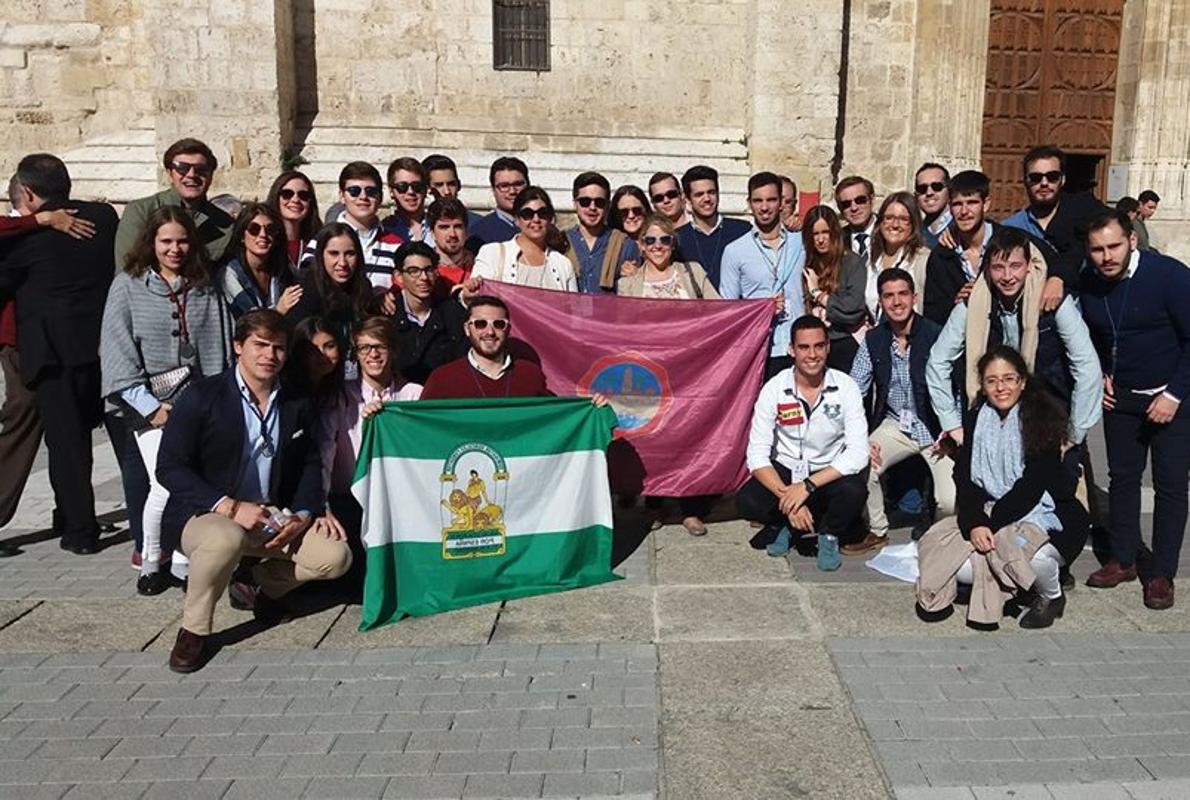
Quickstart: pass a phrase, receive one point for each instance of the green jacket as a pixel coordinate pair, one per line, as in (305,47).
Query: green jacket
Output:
(214,224)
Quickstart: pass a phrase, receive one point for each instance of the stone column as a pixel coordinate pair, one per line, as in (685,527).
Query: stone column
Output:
(223,72)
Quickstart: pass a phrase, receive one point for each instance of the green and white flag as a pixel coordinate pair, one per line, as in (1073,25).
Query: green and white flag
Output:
(472,501)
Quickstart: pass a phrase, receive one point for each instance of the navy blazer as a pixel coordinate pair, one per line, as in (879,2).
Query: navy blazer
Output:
(201,458)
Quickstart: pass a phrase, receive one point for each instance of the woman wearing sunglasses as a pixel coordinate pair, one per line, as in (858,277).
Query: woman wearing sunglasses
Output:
(292,197)
(256,272)
(833,284)
(534,257)
(629,208)
(660,277)
(164,326)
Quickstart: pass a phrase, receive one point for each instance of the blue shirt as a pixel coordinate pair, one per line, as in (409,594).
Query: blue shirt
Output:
(590,260)
(260,444)
(751,269)
(495,227)
(707,248)
(1025,221)
(932,231)
(988,230)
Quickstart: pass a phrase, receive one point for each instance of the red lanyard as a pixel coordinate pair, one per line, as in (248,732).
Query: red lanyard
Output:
(178,300)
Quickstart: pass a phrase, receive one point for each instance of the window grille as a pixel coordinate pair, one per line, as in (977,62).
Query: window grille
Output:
(521,35)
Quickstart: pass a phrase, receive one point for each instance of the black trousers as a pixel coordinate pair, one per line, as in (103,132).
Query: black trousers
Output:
(842,353)
(837,507)
(70,406)
(133,476)
(1130,438)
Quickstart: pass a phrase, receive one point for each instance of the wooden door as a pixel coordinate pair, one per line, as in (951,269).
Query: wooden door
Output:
(1051,80)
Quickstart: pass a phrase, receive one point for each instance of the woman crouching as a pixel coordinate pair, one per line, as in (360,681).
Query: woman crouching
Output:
(1018,520)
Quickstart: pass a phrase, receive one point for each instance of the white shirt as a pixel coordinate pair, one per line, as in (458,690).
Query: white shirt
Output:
(500,261)
(831,433)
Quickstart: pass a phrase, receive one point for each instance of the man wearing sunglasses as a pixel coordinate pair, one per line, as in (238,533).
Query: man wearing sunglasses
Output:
(930,187)
(407,186)
(1055,217)
(707,235)
(190,166)
(667,198)
(508,177)
(855,197)
(596,250)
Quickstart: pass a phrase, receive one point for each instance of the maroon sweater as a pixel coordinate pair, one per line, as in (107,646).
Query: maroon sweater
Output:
(459,379)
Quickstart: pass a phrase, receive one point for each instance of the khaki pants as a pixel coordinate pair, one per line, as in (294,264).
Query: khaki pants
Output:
(214,545)
(895,447)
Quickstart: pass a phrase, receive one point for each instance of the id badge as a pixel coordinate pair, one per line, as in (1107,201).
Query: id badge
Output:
(906,421)
(799,471)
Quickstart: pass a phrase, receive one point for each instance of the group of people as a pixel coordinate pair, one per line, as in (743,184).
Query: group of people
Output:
(233,359)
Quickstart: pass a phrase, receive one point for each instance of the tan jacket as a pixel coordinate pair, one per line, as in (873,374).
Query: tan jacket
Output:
(998,574)
(690,273)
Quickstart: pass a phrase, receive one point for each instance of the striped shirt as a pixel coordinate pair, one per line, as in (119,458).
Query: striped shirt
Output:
(380,250)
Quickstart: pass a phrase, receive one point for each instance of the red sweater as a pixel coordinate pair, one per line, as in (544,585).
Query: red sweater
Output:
(459,379)
(11,226)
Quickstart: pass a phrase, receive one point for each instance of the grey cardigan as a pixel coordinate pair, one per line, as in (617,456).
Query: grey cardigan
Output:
(137,338)
(847,308)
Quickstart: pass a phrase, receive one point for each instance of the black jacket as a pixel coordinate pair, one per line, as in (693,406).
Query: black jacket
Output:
(1066,235)
(60,287)
(201,458)
(423,348)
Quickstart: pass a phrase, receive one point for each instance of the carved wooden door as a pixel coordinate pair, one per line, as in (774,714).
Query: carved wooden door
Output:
(1051,80)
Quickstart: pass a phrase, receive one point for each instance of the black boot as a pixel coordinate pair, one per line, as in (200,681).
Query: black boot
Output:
(1043,612)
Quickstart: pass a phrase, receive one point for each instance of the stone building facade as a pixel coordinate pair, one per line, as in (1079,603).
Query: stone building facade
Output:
(633,86)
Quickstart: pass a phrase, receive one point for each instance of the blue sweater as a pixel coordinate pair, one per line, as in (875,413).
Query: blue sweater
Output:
(1152,338)
(490,228)
(707,250)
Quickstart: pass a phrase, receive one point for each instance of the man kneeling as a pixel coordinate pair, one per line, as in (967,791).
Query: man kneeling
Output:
(813,418)
(240,459)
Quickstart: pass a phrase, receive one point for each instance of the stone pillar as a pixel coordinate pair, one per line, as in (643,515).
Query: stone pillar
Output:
(1152,126)
(223,72)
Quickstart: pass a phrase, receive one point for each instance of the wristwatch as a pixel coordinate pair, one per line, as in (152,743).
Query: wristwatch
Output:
(810,486)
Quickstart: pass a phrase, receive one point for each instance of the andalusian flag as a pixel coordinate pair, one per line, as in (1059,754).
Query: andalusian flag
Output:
(472,501)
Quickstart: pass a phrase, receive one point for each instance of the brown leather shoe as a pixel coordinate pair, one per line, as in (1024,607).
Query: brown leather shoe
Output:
(188,652)
(864,545)
(1159,593)
(1111,574)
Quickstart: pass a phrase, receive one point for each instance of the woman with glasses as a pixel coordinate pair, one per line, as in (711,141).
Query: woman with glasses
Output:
(165,325)
(534,257)
(897,242)
(833,284)
(256,272)
(629,208)
(1018,518)
(292,197)
(659,277)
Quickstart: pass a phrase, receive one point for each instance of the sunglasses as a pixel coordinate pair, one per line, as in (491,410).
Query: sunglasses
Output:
(255,229)
(632,211)
(936,186)
(543,213)
(482,324)
(664,241)
(862,200)
(302,194)
(586,202)
(1053,176)
(356,190)
(183,169)
(661,197)
(417,187)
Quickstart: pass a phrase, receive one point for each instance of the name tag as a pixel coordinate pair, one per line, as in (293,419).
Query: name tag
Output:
(790,414)
(906,421)
(799,471)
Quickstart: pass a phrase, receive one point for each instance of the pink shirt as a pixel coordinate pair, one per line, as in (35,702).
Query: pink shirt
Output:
(342,428)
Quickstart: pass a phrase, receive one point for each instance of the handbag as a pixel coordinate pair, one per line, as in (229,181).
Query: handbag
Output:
(166,385)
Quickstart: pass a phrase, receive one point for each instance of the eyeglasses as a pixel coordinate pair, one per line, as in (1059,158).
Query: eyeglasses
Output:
(935,186)
(255,229)
(302,194)
(586,202)
(861,200)
(418,272)
(401,187)
(632,211)
(355,190)
(665,240)
(543,213)
(512,186)
(995,381)
(369,349)
(482,324)
(1035,178)
(661,197)
(899,220)
(184,168)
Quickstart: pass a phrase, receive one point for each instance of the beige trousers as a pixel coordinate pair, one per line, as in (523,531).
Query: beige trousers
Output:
(214,544)
(895,447)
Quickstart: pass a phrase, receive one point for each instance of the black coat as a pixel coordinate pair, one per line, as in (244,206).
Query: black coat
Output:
(201,458)
(60,287)
(423,348)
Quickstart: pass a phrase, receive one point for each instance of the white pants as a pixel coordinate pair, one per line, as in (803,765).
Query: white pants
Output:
(148,442)
(895,447)
(1046,563)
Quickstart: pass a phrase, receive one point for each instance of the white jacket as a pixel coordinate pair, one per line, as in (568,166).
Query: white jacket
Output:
(498,261)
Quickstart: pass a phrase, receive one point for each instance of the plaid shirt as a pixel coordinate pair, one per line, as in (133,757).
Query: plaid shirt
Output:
(900,389)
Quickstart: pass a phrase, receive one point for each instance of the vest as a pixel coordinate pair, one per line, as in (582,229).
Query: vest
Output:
(922,336)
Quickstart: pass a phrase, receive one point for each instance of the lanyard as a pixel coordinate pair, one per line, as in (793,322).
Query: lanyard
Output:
(178,300)
(1116,326)
(771,263)
(267,447)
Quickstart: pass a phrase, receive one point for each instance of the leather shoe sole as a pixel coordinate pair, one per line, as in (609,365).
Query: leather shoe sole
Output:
(1096,580)
(866,545)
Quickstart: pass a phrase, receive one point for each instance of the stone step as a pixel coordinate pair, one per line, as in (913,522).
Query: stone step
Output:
(116,167)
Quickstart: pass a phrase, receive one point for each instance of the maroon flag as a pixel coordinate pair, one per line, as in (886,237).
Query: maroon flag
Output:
(682,376)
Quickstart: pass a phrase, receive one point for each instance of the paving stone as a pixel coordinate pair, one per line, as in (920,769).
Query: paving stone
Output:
(397,763)
(266,789)
(297,743)
(184,768)
(435,787)
(544,761)
(313,766)
(589,784)
(1083,791)
(357,788)
(463,763)
(101,791)
(503,786)
(197,790)
(443,741)
(223,745)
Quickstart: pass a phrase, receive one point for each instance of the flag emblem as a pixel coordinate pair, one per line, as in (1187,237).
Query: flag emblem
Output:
(637,388)
(473,514)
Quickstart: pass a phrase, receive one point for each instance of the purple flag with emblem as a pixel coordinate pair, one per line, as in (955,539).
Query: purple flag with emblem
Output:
(682,376)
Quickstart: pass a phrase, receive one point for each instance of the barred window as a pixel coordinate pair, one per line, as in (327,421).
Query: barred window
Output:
(521,34)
